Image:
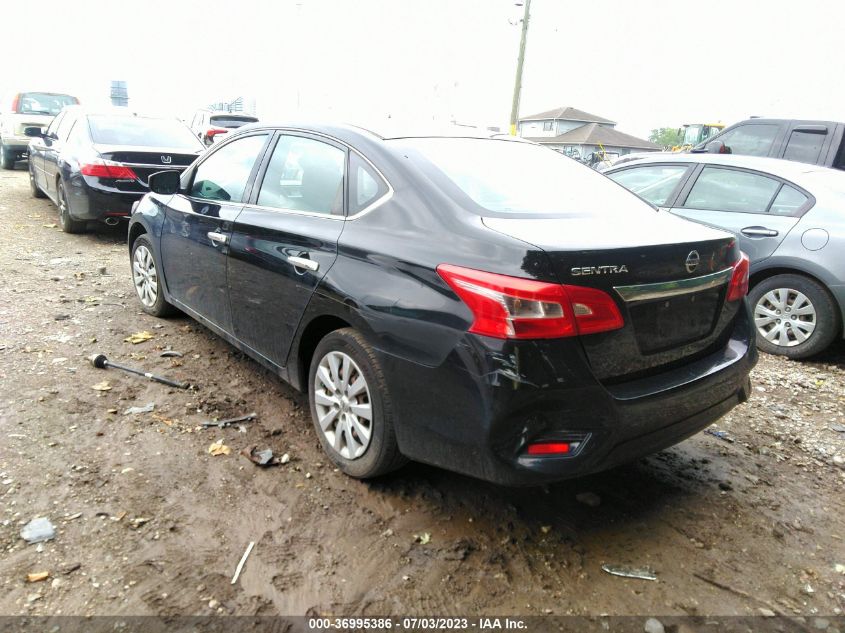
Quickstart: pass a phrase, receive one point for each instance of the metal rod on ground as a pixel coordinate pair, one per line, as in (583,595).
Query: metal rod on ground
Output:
(101,362)
(517,87)
(243,562)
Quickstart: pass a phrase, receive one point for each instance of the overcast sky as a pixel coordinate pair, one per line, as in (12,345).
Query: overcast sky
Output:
(643,63)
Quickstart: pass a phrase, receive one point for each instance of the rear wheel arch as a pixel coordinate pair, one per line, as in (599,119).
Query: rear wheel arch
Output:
(316,330)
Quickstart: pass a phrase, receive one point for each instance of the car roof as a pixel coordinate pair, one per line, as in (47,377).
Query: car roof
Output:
(114,111)
(344,130)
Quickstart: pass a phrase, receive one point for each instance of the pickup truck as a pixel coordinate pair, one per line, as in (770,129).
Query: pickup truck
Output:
(803,141)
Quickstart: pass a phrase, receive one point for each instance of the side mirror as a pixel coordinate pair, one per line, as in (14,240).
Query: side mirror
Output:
(165,182)
(33,132)
(716,147)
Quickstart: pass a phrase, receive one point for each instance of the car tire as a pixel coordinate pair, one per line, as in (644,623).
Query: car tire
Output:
(146,279)
(360,447)
(33,186)
(66,221)
(795,316)
(7,157)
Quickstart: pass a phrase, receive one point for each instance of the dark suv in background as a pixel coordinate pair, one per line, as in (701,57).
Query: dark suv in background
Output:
(802,141)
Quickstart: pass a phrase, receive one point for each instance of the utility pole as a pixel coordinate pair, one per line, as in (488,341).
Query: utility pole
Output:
(517,86)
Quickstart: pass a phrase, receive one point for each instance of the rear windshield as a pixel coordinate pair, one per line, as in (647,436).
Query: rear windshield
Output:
(131,130)
(43,103)
(232,121)
(513,178)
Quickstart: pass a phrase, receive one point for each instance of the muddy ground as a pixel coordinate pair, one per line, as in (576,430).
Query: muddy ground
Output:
(148,522)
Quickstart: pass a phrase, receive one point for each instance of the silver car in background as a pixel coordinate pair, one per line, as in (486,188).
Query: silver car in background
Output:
(788,217)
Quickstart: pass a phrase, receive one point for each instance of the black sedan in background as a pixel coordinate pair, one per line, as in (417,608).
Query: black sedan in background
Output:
(94,165)
(484,305)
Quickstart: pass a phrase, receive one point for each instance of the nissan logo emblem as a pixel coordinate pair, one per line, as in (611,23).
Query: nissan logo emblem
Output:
(693,259)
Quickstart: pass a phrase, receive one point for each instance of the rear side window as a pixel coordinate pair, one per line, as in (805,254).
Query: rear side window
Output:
(225,173)
(149,132)
(805,147)
(365,185)
(655,183)
(750,140)
(788,201)
(304,175)
(719,189)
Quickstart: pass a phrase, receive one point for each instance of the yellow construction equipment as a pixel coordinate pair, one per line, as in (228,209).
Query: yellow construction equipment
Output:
(692,134)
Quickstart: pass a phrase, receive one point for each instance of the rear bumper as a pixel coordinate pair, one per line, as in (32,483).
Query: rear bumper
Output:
(16,143)
(92,202)
(490,399)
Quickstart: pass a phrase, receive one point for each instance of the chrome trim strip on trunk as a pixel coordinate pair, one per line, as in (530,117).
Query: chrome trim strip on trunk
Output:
(664,289)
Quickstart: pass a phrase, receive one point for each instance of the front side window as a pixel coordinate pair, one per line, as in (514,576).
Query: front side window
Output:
(225,173)
(804,147)
(750,140)
(655,183)
(65,126)
(54,124)
(719,189)
(304,175)
(547,126)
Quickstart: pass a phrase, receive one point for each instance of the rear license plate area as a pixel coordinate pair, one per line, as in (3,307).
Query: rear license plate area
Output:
(666,323)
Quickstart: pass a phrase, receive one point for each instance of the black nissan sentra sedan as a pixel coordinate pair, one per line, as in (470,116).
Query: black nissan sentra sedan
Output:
(94,164)
(485,305)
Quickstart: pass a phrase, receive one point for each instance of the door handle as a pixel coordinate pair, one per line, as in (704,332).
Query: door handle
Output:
(759,231)
(217,238)
(304,262)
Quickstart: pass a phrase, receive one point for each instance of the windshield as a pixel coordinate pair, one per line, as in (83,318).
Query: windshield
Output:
(231,121)
(508,177)
(44,103)
(131,130)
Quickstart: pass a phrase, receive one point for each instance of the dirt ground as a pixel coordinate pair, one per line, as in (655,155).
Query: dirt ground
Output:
(148,522)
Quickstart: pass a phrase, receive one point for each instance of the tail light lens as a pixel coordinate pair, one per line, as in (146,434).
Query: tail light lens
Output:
(738,287)
(549,448)
(516,308)
(214,131)
(16,103)
(107,169)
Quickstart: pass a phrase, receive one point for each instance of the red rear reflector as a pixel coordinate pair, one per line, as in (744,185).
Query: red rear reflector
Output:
(107,169)
(512,307)
(738,287)
(548,448)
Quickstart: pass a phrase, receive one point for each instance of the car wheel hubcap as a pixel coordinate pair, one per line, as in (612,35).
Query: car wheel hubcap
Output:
(344,408)
(144,275)
(785,317)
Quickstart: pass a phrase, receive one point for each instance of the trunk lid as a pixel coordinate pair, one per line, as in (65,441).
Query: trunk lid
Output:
(668,276)
(146,160)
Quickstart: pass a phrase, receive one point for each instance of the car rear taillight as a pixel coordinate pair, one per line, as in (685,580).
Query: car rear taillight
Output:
(738,287)
(512,307)
(107,169)
(16,103)
(549,448)
(214,131)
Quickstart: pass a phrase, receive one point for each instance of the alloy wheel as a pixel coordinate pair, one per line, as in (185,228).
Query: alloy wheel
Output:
(785,317)
(144,275)
(344,408)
